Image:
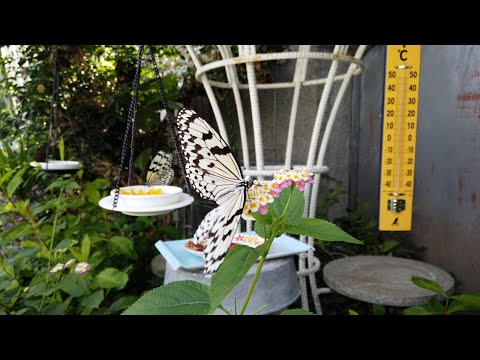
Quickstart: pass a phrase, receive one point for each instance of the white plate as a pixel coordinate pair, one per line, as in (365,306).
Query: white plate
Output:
(60,165)
(194,252)
(169,196)
(185,200)
(174,251)
(259,241)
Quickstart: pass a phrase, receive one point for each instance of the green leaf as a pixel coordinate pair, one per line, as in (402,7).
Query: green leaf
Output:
(92,193)
(65,244)
(122,303)
(268,218)
(417,310)
(36,289)
(122,245)
(290,204)
(68,184)
(378,309)
(238,261)
(15,182)
(26,252)
(4,284)
(76,254)
(86,311)
(352,312)
(8,150)
(296,312)
(22,311)
(6,176)
(8,269)
(30,243)
(16,232)
(97,258)
(429,285)
(321,230)
(464,302)
(7,207)
(177,298)
(93,301)
(61,148)
(54,309)
(433,307)
(70,285)
(259,229)
(85,248)
(41,207)
(111,278)
(388,246)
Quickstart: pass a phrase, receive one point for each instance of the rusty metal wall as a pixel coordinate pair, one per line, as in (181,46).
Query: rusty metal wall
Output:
(447,173)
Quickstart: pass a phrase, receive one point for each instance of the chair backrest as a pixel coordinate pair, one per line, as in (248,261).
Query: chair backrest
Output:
(317,144)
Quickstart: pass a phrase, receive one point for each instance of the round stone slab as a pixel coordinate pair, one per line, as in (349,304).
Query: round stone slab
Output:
(384,280)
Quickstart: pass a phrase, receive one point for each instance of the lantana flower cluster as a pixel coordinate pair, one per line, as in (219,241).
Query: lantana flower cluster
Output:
(260,195)
(80,269)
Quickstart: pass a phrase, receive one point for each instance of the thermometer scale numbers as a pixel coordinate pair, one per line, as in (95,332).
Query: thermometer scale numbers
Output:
(402,80)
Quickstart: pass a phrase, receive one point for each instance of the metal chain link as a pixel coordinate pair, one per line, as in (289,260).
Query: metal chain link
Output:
(52,122)
(170,120)
(130,129)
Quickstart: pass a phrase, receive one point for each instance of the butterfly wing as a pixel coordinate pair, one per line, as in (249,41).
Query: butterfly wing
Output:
(160,171)
(210,166)
(218,229)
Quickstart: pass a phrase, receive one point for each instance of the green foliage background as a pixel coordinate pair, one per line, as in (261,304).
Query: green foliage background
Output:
(47,219)
(94,96)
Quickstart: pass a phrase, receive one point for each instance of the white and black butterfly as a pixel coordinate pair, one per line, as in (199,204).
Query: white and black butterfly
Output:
(215,175)
(160,171)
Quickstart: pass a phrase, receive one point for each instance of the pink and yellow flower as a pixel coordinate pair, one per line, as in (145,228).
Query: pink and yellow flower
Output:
(70,263)
(82,268)
(57,268)
(260,195)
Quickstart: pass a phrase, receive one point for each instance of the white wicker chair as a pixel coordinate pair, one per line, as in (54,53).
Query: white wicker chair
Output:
(308,263)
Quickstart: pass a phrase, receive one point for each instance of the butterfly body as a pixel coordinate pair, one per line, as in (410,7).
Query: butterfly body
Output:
(215,175)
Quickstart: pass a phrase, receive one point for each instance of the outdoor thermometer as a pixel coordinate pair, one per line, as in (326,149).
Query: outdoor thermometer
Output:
(402,80)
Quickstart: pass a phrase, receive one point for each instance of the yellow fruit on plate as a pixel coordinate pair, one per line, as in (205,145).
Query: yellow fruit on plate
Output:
(155,191)
(131,191)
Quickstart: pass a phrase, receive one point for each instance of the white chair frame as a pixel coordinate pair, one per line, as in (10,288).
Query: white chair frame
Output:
(308,264)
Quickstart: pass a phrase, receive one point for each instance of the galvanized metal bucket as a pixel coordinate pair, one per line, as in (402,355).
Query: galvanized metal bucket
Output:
(278,286)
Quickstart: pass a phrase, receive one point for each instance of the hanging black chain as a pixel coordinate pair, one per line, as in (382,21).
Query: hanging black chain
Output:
(52,122)
(130,129)
(170,119)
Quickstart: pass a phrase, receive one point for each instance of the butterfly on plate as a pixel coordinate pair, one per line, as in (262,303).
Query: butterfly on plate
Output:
(160,171)
(215,175)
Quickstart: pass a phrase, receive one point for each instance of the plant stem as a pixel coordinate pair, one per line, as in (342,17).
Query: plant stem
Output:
(51,247)
(445,311)
(257,274)
(264,256)
(262,308)
(224,310)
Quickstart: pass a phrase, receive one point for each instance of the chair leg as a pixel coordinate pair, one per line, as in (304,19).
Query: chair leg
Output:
(313,266)
(315,295)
